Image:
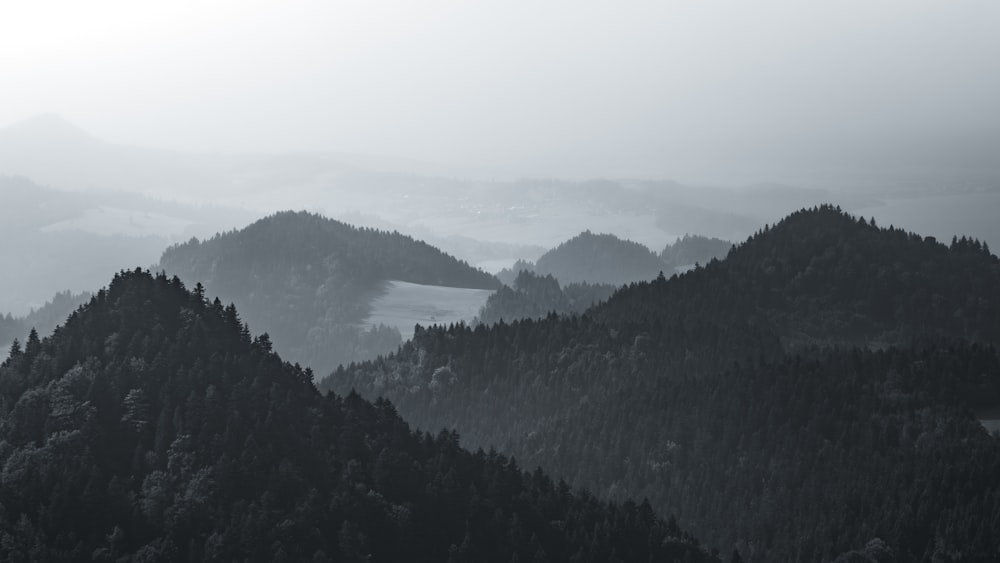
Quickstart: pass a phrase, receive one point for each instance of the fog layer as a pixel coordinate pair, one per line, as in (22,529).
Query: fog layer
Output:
(851,92)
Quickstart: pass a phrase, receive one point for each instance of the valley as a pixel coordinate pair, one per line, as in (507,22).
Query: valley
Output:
(499,282)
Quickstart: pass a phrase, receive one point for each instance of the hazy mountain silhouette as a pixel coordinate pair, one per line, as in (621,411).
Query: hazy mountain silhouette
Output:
(691,250)
(309,281)
(435,202)
(53,151)
(599,258)
(43,319)
(716,393)
(61,240)
(532,296)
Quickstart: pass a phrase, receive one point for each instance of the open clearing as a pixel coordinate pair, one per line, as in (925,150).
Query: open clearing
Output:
(405,304)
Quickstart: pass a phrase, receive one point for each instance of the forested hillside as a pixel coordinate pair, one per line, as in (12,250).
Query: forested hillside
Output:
(822,275)
(152,427)
(308,281)
(717,393)
(533,296)
(693,249)
(43,319)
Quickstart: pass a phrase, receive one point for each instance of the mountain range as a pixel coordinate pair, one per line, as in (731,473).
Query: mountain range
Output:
(809,394)
(310,281)
(812,393)
(152,427)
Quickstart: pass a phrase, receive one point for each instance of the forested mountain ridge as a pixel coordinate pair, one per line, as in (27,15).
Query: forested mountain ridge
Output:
(822,275)
(151,426)
(308,280)
(705,393)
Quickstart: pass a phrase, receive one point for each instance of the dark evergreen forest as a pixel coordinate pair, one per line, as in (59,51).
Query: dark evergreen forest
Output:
(151,426)
(308,281)
(807,398)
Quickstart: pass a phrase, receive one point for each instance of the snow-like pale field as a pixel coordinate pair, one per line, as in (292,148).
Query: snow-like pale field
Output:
(405,304)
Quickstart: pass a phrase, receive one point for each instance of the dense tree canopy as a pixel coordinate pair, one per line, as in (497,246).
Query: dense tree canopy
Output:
(153,427)
(805,398)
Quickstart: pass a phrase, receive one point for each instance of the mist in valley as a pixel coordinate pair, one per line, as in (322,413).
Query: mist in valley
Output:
(493,133)
(598,204)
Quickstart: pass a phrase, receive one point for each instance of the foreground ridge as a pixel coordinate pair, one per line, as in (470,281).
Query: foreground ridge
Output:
(153,427)
(806,396)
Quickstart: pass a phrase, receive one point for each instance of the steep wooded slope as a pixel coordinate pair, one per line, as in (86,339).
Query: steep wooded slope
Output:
(151,427)
(308,281)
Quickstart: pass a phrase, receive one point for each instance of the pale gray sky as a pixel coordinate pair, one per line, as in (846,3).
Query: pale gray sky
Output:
(696,91)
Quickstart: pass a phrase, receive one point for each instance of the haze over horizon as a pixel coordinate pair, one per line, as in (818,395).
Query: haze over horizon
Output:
(898,92)
(651,280)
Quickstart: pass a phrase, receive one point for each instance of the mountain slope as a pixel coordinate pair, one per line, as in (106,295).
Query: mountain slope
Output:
(822,275)
(706,392)
(693,249)
(43,319)
(309,280)
(151,427)
(533,296)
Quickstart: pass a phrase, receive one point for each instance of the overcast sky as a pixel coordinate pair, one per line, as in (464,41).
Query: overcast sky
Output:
(695,91)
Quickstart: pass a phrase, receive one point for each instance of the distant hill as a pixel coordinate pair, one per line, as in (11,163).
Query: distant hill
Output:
(153,427)
(66,240)
(54,151)
(43,320)
(807,397)
(447,207)
(692,250)
(587,261)
(309,280)
(532,296)
(599,258)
